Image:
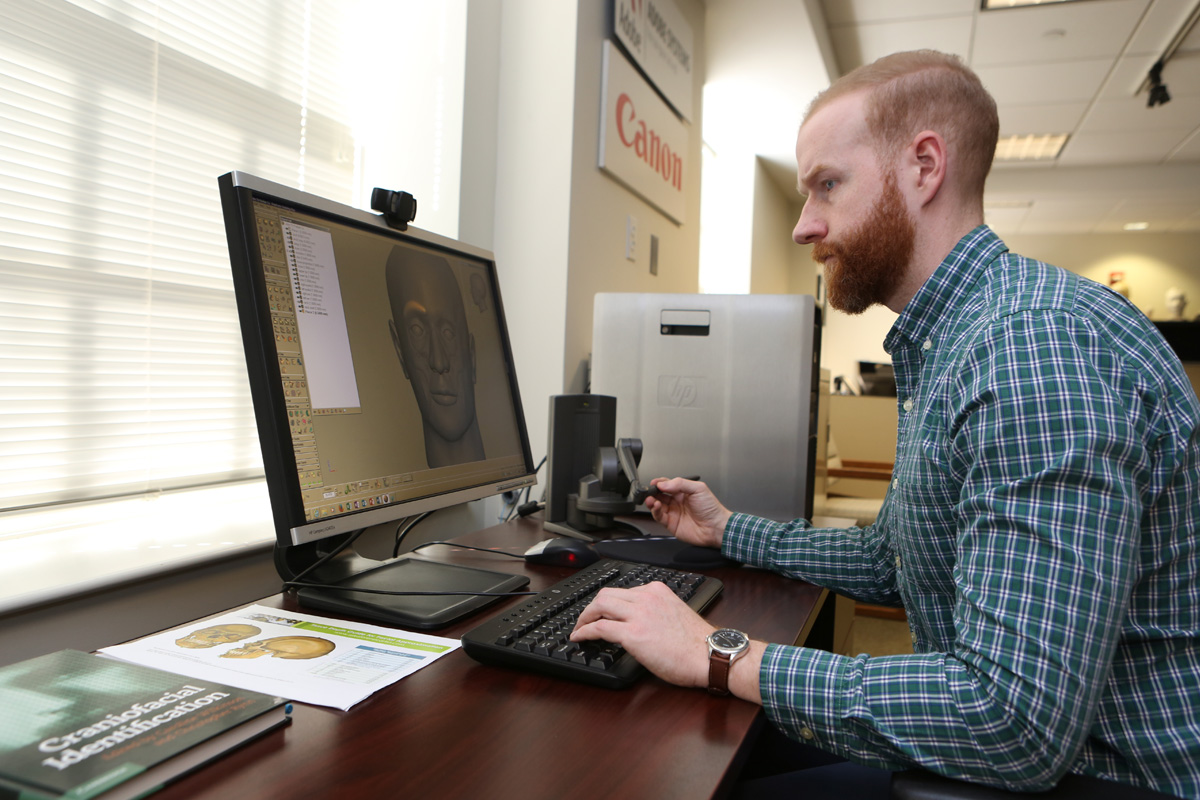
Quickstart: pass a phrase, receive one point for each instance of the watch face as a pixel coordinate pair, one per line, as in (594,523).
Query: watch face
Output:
(727,640)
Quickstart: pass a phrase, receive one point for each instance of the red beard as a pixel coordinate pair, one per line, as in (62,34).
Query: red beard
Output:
(868,267)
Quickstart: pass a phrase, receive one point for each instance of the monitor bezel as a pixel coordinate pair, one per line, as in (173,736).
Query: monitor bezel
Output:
(238,191)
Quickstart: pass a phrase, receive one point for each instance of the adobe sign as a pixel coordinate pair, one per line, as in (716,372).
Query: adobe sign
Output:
(642,143)
(659,40)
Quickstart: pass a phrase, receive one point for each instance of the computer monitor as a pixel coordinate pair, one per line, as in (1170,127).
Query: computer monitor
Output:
(383,386)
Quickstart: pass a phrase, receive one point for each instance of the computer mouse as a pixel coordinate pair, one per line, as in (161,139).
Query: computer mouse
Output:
(562,552)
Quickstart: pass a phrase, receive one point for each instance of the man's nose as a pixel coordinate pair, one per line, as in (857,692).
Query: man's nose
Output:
(439,356)
(809,228)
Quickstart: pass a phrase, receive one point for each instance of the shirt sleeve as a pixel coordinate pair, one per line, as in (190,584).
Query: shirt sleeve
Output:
(854,562)
(1044,438)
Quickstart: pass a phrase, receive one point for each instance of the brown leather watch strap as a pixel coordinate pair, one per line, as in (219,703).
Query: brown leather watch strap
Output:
(718,673)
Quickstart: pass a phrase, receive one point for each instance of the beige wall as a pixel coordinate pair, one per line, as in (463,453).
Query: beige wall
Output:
(535,77)
(558,222)
(777,264)
(600,206)
(1152,262)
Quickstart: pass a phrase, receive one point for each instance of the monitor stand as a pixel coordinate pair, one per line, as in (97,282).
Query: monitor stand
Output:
(453,591)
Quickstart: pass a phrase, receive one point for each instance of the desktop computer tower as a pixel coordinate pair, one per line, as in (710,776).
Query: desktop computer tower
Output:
(724,387)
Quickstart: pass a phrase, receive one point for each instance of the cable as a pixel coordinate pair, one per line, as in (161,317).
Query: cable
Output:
(298,584)
(325,558)
(517,505)
(530,508)
(403,528)
(469,547)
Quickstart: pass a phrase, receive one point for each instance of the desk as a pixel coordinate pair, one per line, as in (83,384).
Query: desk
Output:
(459,729)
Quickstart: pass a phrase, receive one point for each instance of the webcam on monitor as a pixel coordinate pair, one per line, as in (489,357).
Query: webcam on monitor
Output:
(398,208)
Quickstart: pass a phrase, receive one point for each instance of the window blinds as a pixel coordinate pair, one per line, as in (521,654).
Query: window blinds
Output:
(121,368)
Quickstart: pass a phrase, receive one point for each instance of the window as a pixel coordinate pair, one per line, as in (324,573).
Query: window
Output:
(121,367)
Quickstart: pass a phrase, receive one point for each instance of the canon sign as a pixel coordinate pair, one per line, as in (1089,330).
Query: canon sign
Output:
(643,143)
(648,145)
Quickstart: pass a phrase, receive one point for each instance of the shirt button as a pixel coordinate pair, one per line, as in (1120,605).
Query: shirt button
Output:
(806,733)
(897,562)
(895,483)
(928,345)
(908,404)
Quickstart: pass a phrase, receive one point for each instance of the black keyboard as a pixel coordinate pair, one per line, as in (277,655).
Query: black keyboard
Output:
(535,635)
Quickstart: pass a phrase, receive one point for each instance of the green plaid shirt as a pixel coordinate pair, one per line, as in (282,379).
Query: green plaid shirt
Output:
(1042,530)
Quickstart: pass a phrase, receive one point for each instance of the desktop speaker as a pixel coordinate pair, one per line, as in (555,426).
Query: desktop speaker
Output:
(580,424)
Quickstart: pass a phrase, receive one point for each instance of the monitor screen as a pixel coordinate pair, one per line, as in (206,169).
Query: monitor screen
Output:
(379,363)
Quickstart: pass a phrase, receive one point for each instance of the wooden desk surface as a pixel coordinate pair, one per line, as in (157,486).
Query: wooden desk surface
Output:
(459,729)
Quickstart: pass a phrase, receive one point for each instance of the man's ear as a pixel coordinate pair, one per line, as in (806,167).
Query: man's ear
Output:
(396,343)
(927,161)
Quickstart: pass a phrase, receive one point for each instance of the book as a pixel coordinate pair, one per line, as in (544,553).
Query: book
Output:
(79,725)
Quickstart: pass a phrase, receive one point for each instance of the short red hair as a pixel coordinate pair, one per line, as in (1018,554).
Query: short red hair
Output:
(925,90)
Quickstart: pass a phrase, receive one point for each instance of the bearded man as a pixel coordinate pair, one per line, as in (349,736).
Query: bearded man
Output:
(1042,528)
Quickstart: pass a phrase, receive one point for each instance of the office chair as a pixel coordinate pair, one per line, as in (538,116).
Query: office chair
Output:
(918,784)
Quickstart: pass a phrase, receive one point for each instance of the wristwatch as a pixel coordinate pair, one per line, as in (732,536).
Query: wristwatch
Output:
(724,647)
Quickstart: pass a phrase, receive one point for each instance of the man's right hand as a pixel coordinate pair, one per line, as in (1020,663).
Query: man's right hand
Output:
(689,510)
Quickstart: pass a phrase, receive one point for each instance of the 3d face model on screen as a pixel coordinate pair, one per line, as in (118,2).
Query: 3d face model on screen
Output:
(437,352)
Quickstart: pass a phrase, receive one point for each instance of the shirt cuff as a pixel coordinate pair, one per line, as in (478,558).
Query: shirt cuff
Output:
(799,688)
(747,539)
(810,695)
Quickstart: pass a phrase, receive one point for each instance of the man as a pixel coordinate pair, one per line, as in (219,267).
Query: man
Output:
(1041,529)
(437,353)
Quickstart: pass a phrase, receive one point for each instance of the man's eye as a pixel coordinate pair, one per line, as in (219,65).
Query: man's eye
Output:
(828,184)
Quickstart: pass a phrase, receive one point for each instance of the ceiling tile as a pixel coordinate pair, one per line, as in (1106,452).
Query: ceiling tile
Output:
(1190,225)
(1072,209)
(1181,75)
(1127,147)
(1004,220)
(1163,215)
(1188,151)
(842,12)
(1132,114)
(1159,26)
(1057,118)
(862,44)
(1191,44)
(1116,226)
(1036,224)
(1126,77)
(1036,84)
(1055,32)
(1123,157)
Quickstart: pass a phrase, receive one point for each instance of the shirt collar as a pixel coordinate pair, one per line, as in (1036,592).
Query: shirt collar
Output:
(954,278)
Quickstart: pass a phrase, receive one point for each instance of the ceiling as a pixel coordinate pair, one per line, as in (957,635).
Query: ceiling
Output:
(1073,67)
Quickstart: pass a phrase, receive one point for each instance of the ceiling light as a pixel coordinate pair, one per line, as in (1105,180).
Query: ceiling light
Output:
(1030,147)
(1136,226)
(993,5)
